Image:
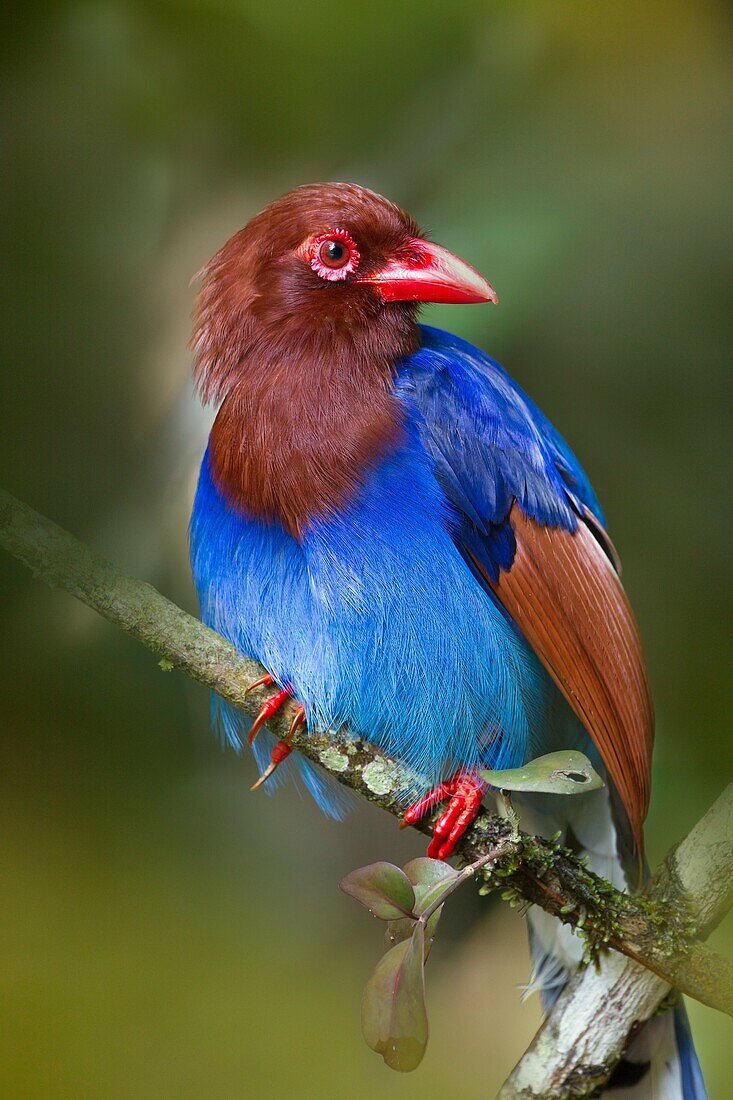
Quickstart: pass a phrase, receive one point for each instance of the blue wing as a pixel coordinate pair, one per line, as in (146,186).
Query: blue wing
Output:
(527,521)
(492,447)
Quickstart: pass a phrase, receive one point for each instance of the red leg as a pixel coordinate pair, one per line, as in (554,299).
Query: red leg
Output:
(282,750)
(268,708)
(465,791)
(420,808)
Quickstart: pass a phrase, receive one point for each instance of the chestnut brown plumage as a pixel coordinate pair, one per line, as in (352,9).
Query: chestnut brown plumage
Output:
(566,597)
(303,368)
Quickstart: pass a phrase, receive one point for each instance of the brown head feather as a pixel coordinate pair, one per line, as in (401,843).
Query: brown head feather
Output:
(304,367)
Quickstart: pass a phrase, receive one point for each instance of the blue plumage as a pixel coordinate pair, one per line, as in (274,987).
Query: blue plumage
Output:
(459,569)
(375,618)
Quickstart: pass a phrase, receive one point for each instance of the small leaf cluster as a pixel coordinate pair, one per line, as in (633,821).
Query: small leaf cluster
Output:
(394,1018)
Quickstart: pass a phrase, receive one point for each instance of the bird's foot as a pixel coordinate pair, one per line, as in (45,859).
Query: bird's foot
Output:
(270,706)
(465,791)
(283,748)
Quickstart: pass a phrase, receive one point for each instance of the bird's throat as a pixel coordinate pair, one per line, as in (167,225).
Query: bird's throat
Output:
(294,440)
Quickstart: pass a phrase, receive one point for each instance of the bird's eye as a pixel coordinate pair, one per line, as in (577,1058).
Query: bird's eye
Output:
(333,255)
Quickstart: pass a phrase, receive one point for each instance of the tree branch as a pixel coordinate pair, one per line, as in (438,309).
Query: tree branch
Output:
(654,931)
(590,1025)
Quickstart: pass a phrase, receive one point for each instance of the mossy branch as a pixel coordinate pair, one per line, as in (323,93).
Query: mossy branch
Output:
(656,931)
(593,1020)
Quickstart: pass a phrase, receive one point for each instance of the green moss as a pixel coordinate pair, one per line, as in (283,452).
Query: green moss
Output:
(601,915)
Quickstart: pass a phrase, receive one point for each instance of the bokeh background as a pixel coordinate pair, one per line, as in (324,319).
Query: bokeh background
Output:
(165,933)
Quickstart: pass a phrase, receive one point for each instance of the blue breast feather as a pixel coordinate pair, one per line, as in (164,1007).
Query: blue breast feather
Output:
(376,619)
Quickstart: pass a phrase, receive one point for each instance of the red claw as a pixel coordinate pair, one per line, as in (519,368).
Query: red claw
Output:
(426,803)
(281,751)
(297,722)
(263,681)
(268,708)
(465,791)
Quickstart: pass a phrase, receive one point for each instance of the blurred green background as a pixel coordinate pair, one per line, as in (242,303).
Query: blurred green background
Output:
(165,933)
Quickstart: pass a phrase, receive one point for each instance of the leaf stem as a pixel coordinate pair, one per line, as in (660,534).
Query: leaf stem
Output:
(468,872)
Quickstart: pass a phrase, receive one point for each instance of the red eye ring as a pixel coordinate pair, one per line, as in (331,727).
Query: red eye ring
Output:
(333,255)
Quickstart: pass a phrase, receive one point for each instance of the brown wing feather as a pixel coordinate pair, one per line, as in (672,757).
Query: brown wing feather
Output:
(568,601)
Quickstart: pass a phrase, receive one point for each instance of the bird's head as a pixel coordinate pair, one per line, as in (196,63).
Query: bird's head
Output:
(329,262)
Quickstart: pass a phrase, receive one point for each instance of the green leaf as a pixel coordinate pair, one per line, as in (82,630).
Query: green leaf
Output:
(383,889)
(394,1021)
(426,895)
(566,772)
(429,877)
(399,930)
(430,930)
(427,872)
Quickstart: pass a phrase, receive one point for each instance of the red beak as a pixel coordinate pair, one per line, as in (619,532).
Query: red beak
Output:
(430,273)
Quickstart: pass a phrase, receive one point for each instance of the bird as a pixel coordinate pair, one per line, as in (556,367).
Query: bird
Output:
(392,527)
